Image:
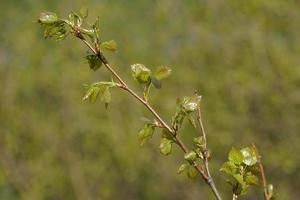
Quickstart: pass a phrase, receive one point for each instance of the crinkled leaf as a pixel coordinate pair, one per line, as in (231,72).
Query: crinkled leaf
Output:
(249,156)
(251,179)
(48,18)
(92,94)
(190,104)
(165,146)
(235,156)
(109,45)
(94,62)
(162,72)
(199,142)
(190,156)
(141,73)
(182,168)
(146,133)
(229,168)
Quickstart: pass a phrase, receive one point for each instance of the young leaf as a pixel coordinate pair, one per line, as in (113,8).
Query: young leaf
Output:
(141,73)
(162,72)
(190,104)
(110,45)
(146,133)
(192,121)
(249,156)
(251,179)
(235,156)
(182,168)
(93,61)
(92,94)
(48,18)
(229,168)
(190,156)
(199,142)
(165,146)
(84,12)
(191,172)
(105,95)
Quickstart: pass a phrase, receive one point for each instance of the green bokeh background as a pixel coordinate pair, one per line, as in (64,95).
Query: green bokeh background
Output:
(242,56)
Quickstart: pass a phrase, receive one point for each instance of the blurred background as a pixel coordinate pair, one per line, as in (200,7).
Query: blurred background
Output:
(242,56)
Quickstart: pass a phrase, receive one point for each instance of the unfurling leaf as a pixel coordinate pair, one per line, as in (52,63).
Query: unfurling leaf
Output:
(199,142)
(141,73)
(165,146)
(109,45)
(190,156)
(48,18)
(99,88)
(191,104)
(182,168)
(162,72)
(146,133)
(191,172)
(235,156)
(251,179)
(229,168)
(249,156)
(94,62)
(92,94)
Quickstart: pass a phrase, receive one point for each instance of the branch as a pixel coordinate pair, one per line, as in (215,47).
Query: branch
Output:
(210,180)
(207,178)
(267,196)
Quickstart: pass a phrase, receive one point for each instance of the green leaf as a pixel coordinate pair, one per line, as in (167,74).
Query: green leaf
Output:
(251,179)
(84,12)
(249,156)
(92,94)
(93,61)
(182,168)
(239,178)
(48,18)
(235,156)
(162,72)
(191,104)
(56,30)
(110,45)
(146,133)
(229,168)
(191,172)
(105,96)
(165,146)
(199,142)
(190,156)
(141,73)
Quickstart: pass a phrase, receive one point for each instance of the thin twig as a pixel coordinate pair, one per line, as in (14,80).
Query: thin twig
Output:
(210,180)
(262,174)
(179,142)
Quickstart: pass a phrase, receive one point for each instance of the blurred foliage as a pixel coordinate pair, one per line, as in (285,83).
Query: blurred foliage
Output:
(242,57)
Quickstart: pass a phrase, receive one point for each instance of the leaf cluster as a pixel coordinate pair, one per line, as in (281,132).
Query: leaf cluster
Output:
(242,167)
